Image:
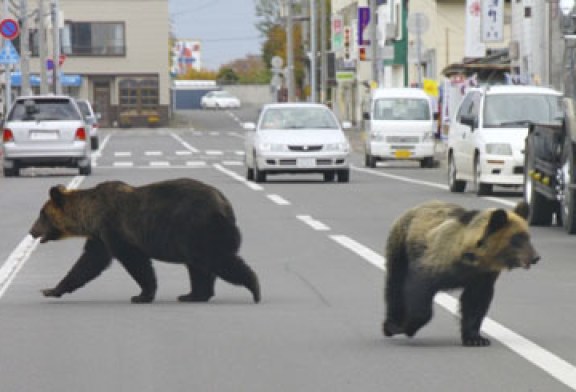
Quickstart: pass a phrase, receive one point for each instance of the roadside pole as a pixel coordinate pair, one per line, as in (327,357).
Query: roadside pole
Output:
(42,48)
(289,51)
(7,71)
(25,50)
(56,47)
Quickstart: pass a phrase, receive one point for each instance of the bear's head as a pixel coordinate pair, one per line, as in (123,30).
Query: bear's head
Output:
(53,223)
(497,239)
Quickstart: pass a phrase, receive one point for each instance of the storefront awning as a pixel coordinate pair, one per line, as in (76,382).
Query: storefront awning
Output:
(65,80)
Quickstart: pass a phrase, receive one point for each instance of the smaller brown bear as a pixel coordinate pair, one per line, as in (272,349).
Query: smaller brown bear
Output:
(440,246)
(179,221)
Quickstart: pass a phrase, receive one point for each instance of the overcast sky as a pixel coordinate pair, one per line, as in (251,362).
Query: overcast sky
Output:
(225,28)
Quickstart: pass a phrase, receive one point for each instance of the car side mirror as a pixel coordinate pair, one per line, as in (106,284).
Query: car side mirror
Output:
(249,126)
(471,121)
(436,116)
(346,125)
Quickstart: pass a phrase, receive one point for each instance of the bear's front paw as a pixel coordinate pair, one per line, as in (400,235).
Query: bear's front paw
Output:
(475,341)
(51,293)
(194,298)
(142,299)
(390,328)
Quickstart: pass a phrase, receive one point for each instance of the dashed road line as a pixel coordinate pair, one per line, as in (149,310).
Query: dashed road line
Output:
(313,223)
(278,200)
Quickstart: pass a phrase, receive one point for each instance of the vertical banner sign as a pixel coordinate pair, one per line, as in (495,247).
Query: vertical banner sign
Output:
(363,21)
(337,33)
(492,21)
(474,47)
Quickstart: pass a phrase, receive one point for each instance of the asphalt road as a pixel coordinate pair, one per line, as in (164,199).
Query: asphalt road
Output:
(317,248)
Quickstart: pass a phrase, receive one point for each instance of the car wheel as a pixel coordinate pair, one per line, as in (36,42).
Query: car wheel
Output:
(541,209)
(454,184)
(85,170)
(249,172)
(329,176)
(259,175)
(94,143)
(427,162)
(369,160)
(482,189)
(568,201)
(344,175)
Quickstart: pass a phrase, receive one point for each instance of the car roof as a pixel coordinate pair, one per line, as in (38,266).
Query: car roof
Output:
(38,97)
(518,89)
(294,105)
(400,92)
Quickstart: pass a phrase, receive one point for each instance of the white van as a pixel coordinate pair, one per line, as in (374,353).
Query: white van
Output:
(401,126)
(487,134)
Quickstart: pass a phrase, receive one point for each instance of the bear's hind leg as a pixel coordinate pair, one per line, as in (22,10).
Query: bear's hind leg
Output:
(394,296)
(202,285)
(139,266)
(233,269)
(474,303)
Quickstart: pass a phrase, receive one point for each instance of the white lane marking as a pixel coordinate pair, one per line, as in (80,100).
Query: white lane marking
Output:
(425,183)
(22,252)
(183,142)
(153,153)
(123,164)
(214,152)
(313,223)
(181,153)
(160,163)
(232,163)
(239,152)
(238,177)
(195,163)
(122,154)
(552,364)
(278,200)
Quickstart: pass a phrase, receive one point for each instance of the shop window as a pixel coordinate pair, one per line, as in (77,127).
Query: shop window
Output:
(93,39)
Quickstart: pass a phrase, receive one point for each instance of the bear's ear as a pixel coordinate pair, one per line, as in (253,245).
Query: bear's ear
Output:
(498,219)
(57,195)
(522,209)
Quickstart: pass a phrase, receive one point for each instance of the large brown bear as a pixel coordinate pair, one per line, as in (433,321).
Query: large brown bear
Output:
(441,246)
(178,221)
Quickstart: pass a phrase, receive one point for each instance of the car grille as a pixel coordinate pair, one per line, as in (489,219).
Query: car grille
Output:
(317,147)
(402,139)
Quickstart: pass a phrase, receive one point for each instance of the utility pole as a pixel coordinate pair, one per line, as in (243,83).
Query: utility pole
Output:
(7,71)
(374,40)
(24,49)
(42,47)
(323,60)
(56,47)
(313,50)
(290,50)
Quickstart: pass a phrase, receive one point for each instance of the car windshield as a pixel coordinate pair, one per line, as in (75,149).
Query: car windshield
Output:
(44,110)
(222,94)
(400,109)
(298,118)
(514,110)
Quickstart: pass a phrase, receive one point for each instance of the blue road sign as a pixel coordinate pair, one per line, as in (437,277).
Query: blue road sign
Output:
(8,54)
(9,28)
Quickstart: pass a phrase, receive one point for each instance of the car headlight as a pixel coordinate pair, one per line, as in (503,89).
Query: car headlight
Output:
(377,136)
(339,147)
(499,149)
(272,147)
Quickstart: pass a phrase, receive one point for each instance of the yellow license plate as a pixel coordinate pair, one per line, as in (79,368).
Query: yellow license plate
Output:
(402,154)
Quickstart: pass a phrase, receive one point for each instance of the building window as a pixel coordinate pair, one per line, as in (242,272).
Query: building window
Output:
(94,39)
(139,96)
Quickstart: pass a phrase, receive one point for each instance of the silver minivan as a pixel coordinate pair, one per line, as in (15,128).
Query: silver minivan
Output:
(45,131)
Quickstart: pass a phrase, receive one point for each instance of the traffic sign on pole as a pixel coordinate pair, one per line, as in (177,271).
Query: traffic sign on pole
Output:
(8,54)
(9,28)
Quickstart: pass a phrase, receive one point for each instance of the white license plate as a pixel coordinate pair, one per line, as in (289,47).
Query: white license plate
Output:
(43,135)
(306,162)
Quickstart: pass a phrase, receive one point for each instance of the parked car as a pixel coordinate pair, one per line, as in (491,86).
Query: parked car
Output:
(45,131)
(297,138)
(219,99)
(91,120)
(401,125)
(487,134)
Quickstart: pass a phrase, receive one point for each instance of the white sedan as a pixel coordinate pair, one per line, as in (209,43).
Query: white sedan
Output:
(297,138)
(219,99)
